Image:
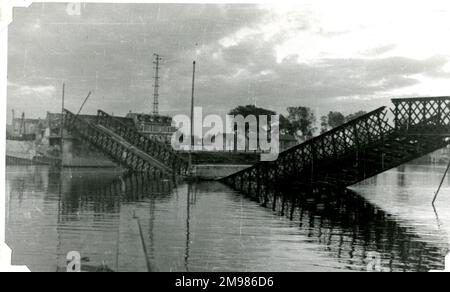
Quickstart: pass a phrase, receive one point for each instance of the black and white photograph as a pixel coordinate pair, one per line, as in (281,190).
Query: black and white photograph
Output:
(212,138)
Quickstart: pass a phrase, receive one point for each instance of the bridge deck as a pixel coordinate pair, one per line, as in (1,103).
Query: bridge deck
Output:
(137,151)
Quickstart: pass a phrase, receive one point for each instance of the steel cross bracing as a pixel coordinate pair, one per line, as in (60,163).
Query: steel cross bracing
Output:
(125,145)
(355,151)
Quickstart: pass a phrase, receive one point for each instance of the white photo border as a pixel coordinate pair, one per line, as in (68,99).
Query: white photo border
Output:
(6,17)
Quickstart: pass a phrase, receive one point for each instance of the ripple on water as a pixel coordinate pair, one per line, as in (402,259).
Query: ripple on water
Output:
(208,227)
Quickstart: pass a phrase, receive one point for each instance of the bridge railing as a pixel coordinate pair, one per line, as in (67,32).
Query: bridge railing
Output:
(348,138)
(425,115)
(154,148)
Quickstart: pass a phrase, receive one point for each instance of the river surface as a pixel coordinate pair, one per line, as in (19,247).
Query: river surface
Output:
(121,223)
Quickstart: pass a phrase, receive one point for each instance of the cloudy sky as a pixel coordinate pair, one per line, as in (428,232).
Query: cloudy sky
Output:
(342,56)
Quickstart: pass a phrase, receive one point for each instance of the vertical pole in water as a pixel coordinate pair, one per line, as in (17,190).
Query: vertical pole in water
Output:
(192,118)
(62,122)
(188,228)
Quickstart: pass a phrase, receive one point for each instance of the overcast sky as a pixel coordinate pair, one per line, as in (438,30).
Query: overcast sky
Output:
(327,56)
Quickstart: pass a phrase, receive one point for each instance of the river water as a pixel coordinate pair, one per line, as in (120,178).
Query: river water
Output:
(122,223)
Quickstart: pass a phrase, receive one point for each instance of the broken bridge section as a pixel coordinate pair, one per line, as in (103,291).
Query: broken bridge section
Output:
(125,145)
(355,151)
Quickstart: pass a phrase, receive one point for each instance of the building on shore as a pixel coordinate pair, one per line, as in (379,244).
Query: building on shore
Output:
(23,128)
(21,140)
(153,126)
(287,141)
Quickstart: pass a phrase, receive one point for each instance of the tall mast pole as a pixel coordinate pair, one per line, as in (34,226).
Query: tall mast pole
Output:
(192,105)
(156,85)
(62,119)
(192,116)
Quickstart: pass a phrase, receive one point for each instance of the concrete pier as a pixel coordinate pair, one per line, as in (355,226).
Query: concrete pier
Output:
(77,153)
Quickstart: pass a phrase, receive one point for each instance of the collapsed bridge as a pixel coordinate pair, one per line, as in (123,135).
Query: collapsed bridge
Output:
(123,144)
(360,149)
(355,151)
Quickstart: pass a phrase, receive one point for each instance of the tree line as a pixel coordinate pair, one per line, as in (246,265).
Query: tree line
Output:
(300,122)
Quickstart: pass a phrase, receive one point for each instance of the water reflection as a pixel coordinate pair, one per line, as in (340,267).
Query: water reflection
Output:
(352,229)
(188,229)
(51,212)
(201,226)
(401,176)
